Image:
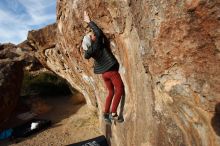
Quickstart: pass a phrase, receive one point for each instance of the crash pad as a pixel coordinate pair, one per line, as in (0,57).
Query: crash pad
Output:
(98,141)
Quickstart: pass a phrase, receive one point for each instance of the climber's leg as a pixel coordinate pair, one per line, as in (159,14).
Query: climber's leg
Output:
(119,90)
(106,76)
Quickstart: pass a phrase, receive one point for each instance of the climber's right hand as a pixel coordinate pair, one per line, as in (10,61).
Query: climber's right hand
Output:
(86,17)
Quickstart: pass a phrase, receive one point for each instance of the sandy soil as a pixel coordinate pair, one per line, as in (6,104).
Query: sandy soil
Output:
(72,122)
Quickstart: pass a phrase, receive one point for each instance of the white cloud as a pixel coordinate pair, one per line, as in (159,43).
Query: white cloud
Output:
(36,13)
(14,36)
(12,29)
(37,10)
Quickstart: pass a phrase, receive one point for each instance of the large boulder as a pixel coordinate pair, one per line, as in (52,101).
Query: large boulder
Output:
(11,75)
(169,55)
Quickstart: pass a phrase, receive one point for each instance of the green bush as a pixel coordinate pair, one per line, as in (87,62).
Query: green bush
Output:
(44,84)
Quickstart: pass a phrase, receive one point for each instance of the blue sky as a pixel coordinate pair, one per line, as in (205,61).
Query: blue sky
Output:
(17,17)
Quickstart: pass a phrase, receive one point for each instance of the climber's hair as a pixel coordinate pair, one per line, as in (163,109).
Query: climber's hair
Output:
(88,30)
(90,33)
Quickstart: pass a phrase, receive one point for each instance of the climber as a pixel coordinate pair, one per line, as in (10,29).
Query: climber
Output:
(106,64)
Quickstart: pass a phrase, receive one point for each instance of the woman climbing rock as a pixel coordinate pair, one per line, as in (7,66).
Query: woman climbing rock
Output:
(106,64)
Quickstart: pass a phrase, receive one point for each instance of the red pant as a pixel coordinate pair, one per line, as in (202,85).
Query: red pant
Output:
(115,87)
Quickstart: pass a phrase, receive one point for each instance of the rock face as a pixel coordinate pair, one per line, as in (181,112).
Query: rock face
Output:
(11,75)
(169,52)
(40,40)
(31,63)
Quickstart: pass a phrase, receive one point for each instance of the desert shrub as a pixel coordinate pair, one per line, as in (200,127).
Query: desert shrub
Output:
(45,83)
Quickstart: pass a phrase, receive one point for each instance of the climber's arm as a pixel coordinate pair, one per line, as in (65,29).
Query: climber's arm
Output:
(97,45)
(96,29)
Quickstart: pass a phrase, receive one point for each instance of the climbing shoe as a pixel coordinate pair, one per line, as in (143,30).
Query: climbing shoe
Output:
(107,118)
(116,118)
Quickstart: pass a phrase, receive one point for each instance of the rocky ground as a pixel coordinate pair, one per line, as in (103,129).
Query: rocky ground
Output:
(72,122)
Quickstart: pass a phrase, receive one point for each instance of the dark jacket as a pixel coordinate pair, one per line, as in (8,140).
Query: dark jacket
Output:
(104,60)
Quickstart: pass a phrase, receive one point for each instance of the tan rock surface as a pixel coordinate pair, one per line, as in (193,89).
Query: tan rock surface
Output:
(170,65)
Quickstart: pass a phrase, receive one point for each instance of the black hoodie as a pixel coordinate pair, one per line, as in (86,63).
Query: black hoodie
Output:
(104,60)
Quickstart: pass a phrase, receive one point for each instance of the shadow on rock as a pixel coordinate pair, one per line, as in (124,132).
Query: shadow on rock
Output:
(121,116)
(216,119)
(108,133)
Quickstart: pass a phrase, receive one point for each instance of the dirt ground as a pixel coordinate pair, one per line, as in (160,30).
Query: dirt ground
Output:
(72,122)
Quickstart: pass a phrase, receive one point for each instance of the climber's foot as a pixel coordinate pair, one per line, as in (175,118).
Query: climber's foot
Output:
(107,118)
(115,117)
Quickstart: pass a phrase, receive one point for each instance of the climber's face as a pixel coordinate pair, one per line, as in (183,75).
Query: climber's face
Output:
(92,36)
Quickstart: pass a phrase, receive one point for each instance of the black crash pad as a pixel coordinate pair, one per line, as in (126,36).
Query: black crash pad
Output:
(98,141)
(25,130)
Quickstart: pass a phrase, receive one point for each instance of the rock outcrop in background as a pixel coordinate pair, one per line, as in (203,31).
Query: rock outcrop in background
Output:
(169,52)
(11,75)
(13,61)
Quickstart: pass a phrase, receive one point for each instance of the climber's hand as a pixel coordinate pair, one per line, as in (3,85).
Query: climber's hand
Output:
(86,17)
